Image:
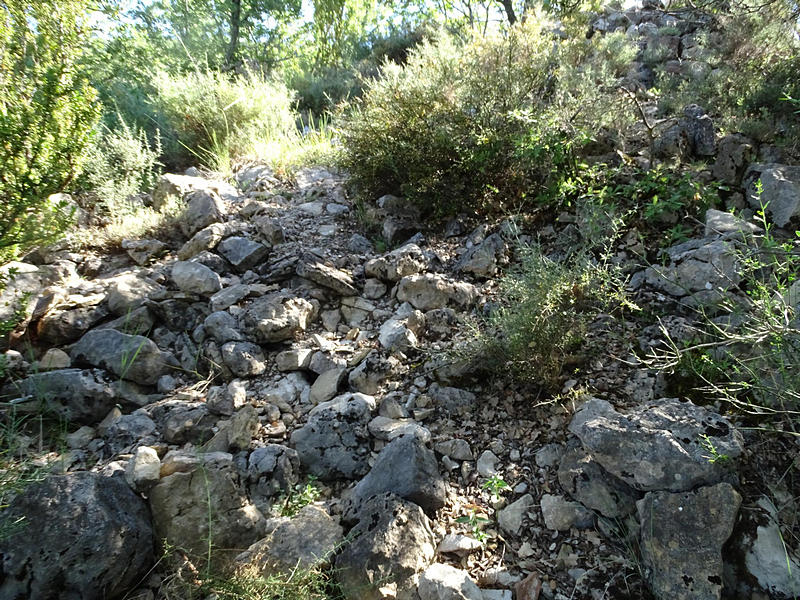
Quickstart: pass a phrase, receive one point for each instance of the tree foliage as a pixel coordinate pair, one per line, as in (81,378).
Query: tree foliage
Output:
(47,113)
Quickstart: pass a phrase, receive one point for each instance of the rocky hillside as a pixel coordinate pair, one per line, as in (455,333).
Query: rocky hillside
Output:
(266,390)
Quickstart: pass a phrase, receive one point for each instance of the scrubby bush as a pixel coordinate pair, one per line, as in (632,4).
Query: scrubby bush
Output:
(209,114)
(546,307)
(482,126)
(47,114)
(752,62)
(122,163)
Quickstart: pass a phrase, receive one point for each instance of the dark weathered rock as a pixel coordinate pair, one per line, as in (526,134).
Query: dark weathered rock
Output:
(662,445)
(80,535)
(79,396)
(202,209)
(594,487)
(335,441)
(388,548)
(681,540)
(327,276)
(130,357)
(242,252)
(407,468)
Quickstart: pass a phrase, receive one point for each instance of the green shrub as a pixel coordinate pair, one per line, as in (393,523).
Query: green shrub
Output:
(122,163)
(545,308)
(207,112)
(47,113)
(482,126)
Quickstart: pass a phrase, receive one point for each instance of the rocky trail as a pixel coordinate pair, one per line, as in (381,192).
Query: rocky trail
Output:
(207,376)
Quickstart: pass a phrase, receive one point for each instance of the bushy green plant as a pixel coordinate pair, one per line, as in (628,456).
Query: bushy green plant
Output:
(206,111)
(47,114)
(545,307)
(123,163)
(482,126)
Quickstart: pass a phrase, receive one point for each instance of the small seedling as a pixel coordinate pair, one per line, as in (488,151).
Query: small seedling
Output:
(495,484)
(302,495)
(476,520)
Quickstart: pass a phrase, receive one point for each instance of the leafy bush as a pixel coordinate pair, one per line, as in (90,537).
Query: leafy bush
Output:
(122,164)
(207,112)
(484,126)
(546,306)
(47,113)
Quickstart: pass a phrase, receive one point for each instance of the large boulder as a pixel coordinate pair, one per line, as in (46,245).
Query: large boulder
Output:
(131,357)
(277,317)
(80,535)
(681,540)
(205,503)
(661,445)
(388,549)
(335,440)
(780,192)
(407,468)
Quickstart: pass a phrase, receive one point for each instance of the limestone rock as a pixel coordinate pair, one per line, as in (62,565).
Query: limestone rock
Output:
(144,469)
(202,209)
(306,541)
(388,548)
(443,582)
(780,191)
(734,153)
(661,445)
(178,186)
(697,266)
(222,327)
(594,487)
(482,260)
(271,471)
(131,357)
(79,396)
(129,292)
(510,518)
(560,514)
(244,359)
(142,251)
(681,540)
(194,278)
(205,239)
(768,559)
(407,260)
(82,535)
(335,441)
(327,276)
(429,291)
(327,385)
(179,504)
(277,317)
